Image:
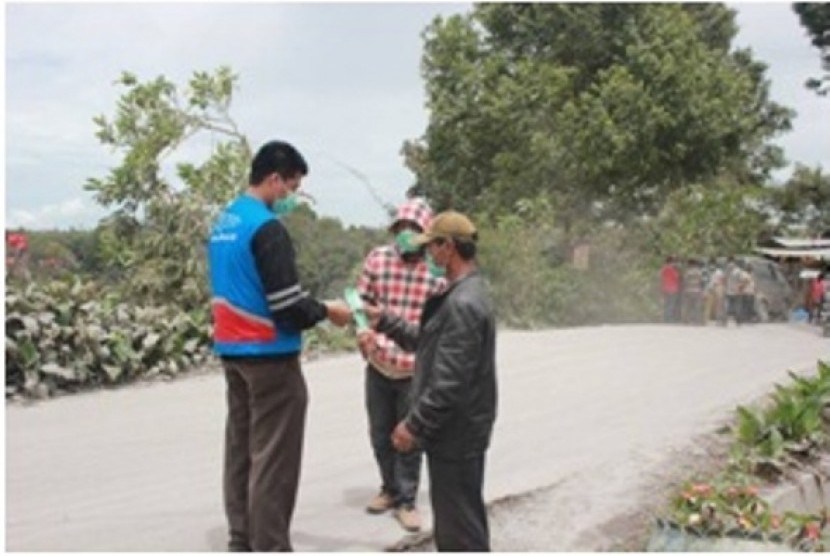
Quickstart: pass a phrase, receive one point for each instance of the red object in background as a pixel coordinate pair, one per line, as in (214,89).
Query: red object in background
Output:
(670,278)
(18,241)
(817,291)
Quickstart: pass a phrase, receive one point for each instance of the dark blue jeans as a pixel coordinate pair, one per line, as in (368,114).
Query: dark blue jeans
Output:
(387,403)
(671,307)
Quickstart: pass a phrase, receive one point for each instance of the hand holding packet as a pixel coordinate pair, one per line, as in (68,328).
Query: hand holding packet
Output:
(356,305)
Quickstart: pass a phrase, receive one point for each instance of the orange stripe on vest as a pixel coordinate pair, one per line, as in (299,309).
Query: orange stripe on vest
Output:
(230,325)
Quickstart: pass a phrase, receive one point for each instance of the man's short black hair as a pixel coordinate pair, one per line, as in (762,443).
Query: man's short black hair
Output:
(279,157)
(466,249)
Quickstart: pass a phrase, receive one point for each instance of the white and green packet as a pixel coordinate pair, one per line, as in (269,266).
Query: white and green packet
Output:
(355,303)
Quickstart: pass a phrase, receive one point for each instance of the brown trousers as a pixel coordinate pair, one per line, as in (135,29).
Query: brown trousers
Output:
(267,401)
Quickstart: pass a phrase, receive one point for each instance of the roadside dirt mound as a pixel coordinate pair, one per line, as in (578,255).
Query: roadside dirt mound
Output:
(531,522)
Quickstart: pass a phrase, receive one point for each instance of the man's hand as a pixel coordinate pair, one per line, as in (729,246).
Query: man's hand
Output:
(338,313)
(366,342)
(402,439)
(373,313)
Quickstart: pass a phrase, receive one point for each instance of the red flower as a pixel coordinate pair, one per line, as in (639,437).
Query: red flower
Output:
(812,531)
(702,489)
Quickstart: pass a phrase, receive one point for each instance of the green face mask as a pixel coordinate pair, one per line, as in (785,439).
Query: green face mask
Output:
(404,241)
(435,270)
(285,206)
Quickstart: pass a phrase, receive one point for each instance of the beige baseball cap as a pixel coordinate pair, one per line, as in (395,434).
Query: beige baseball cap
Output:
(448,224)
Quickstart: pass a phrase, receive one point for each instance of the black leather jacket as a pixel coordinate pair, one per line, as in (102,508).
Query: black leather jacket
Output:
(454,387)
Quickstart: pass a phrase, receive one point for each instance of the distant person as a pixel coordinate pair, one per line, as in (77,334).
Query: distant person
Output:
(716,291)
(259,310)
(743,282)
(670,286)
(454,390)
(706,270)
(748,291)
(693,293)
(732,275)
(817,291)
(396,278)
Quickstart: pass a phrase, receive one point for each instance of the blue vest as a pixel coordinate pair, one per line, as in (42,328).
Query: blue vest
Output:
(242,322)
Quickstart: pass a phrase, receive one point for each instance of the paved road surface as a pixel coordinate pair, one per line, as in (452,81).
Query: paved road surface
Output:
(592,410)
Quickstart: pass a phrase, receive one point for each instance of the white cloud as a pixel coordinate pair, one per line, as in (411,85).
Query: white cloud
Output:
(776,37)
(338,80)
(71,213)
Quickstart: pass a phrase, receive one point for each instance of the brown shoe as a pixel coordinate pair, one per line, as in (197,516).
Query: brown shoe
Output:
(380,503)
(409,518)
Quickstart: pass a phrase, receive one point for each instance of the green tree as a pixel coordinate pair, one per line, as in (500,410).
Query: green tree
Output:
(710,221)
(329,256)
(56,252)
(155,236)
(803,202)
(605,109)
(815,17)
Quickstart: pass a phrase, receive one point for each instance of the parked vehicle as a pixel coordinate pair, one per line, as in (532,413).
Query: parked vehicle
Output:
(773,294)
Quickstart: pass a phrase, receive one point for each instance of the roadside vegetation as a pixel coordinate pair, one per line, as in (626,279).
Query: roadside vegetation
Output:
(784,436)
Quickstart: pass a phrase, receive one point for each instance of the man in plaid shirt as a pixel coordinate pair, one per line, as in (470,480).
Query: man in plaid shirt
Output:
(396,278)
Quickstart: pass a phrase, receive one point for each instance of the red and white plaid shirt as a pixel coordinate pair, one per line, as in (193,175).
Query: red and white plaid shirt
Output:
(400,288)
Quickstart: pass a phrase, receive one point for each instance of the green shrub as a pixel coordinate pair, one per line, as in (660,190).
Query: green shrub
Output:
(793,424)
(788,432)
(69,336)
(527,261)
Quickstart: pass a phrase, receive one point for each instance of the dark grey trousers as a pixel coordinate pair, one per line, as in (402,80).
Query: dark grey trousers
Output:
(387,403)
(458,512)
(267,401)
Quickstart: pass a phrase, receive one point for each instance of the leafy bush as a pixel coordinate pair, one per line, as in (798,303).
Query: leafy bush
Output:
(734,508)
(526,259)
(788,432)
(69,336)
(793,425)
(527,290)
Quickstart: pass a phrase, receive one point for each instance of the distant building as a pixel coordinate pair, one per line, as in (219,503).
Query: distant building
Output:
(807,250)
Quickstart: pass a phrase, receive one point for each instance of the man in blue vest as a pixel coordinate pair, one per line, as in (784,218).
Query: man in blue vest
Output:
(259,311)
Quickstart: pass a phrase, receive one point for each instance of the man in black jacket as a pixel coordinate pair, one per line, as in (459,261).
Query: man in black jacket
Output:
(454,390)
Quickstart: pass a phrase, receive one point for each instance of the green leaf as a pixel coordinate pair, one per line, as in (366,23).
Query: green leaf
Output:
(54,369)
(749,427)
(776,443)
(29,354)
(192,345)
(151,340)
(30,324)
(113,372)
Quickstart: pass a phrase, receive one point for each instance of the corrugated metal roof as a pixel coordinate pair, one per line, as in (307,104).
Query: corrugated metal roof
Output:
(802,243)
(798,253)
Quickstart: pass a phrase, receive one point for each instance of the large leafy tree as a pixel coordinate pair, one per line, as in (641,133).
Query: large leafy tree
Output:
(803,203)
(815,17)
(713,221)
(155,236)
(605,109)
(154,241)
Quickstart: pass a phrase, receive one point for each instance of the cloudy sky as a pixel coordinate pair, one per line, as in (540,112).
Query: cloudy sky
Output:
(341,81)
